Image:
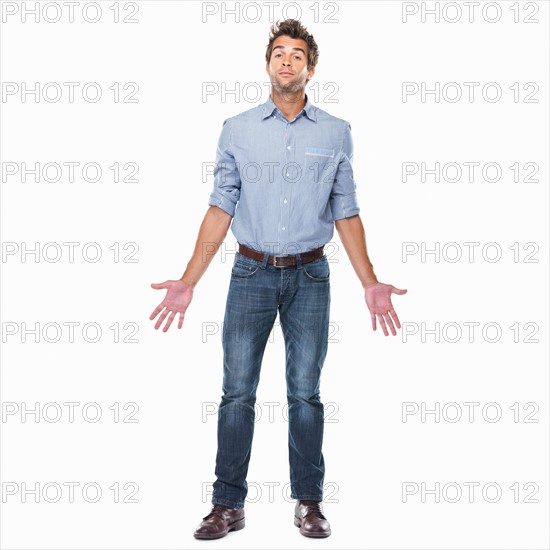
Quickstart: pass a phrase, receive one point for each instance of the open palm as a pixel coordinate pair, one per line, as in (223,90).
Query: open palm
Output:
(378,298)
(177,299)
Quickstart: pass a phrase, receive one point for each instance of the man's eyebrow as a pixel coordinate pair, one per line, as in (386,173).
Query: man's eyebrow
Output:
(282,48)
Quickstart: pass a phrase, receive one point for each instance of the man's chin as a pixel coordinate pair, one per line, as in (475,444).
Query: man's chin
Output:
(289,89)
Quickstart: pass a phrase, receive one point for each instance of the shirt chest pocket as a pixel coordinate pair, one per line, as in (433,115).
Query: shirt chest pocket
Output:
(319,165)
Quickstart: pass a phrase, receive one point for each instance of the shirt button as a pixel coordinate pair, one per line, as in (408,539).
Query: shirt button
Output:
(288,147)
(284,201)
(287,174)
(284,228)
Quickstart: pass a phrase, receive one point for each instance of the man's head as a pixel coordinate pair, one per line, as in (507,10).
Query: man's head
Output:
(291,56)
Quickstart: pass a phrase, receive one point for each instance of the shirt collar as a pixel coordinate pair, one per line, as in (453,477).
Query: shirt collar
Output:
(268,107)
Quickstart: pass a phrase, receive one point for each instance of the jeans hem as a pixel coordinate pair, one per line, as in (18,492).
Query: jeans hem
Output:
(306,497)
(228,503)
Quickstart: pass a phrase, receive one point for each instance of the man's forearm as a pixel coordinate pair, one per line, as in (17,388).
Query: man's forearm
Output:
(212,232)
(352,235)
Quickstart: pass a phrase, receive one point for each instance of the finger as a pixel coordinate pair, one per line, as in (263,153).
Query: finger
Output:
(158,309)
(169,322)
(180,322)
(390,324)
(373,320)
(161,318)
(159,285)
(395,290)
(383,325)
(395,318)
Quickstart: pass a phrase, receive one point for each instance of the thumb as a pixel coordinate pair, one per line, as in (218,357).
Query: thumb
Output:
(395,290)
(159,286)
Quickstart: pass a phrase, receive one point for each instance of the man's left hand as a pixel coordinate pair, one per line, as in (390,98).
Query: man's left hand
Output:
(378,298)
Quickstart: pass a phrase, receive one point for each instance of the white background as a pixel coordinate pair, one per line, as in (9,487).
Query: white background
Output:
(175,377)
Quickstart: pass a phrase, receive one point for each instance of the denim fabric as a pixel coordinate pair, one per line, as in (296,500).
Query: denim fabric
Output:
(301,295)
(284,182)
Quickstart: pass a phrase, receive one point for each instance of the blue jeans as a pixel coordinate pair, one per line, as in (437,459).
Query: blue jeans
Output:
(301,295)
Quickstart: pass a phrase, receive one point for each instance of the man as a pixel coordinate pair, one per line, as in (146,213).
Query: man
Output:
(287,164)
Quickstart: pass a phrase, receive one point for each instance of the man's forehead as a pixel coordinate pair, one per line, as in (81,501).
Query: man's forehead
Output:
(282,42)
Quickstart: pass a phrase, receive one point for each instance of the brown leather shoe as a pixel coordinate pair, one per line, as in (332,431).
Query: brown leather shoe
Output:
(308,516)
(219,522)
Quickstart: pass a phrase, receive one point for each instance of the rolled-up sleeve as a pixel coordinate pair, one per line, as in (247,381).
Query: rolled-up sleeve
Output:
(227,183)
(343,197)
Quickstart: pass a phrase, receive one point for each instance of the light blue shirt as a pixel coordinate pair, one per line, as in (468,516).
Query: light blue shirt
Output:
(284,182)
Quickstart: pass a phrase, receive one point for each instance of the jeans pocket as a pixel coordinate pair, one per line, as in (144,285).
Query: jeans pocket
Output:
(242,268)
(317,270)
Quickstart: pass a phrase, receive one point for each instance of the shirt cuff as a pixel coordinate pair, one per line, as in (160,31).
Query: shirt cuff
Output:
(344,206)
(221,201)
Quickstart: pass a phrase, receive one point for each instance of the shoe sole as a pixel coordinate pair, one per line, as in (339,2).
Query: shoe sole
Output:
(298,523)
(237,526)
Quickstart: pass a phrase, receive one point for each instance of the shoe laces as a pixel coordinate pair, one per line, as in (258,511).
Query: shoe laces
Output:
(217,510)
(313,507)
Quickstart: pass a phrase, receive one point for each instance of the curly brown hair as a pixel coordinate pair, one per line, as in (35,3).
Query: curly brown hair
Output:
(294,29)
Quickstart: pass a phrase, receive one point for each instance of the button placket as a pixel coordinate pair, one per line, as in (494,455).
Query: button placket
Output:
(287,186)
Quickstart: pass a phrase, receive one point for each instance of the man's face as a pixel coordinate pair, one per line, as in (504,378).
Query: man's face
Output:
(287,67)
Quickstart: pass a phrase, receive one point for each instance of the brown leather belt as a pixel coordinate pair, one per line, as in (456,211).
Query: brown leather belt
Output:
(281,261)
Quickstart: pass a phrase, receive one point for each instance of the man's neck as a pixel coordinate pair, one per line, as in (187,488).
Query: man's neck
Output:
(290,104)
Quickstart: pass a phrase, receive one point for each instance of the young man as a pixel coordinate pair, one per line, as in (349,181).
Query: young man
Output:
(287,164)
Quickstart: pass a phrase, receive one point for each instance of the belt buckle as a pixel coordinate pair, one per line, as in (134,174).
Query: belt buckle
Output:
(275,261)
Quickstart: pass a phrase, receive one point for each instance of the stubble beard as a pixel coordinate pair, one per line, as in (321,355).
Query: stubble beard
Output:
(289,88)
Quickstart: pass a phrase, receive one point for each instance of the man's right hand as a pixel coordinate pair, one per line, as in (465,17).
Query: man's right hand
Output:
(177,299)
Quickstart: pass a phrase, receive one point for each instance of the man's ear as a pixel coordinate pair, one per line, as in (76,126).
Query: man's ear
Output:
(310,73)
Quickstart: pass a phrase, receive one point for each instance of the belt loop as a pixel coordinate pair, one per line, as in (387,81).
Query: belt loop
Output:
(298,261)
(265,258)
